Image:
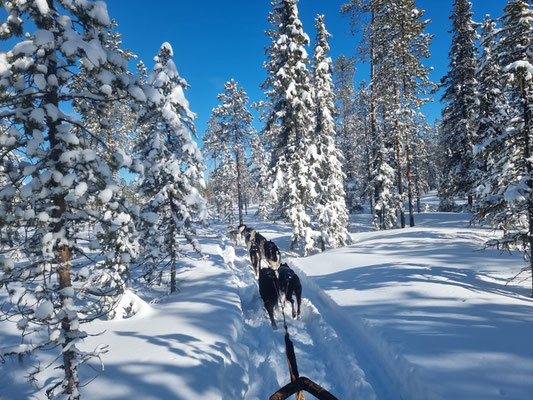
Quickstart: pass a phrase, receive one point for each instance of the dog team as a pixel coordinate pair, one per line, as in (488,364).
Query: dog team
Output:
(275,280)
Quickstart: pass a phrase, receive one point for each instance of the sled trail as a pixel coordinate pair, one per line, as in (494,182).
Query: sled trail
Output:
(322,355)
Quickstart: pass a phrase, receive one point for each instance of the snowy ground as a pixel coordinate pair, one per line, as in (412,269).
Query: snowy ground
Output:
(418,313)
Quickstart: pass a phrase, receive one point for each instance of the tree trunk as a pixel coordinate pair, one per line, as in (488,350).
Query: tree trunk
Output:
(239,196)
(62,253)
(529,171)
(172,239)
(373,113)
(409,181)
(398,145)
(69,356)
(173,259)
(369,176)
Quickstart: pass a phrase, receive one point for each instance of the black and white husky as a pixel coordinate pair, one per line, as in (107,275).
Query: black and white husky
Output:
(272,254)
(290,286)
(255,237)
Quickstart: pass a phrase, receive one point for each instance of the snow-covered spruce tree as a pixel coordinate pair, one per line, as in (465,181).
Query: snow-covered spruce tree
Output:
(387,144)
(387,198)
(364,18)
(224,179)
(458,133)
(171,167)
(249,193)
(506,201)
(236,129)
(491,106)
(58,176)
(289,122)
(330,211)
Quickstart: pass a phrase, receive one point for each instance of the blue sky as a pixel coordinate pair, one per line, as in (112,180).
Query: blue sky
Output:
(215,40)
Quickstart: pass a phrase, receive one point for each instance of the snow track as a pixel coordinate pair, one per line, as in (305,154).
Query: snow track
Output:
(322,353)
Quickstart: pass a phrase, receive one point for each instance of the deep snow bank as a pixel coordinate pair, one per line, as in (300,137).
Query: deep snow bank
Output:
(433,309)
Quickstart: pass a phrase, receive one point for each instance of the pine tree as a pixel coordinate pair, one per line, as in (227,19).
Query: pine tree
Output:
(359,10)
(395,43)
(260,161)
(224,180)
(491,107)
(171,167)
(235,132)
(330,212)
(414,83)
(349,128)
(110,123)
(402,83)
(289,121)
(363,150)
(344,86)
(507,198)
(213,147)
(58,179)
(383,183)
(425,167)
(458,134)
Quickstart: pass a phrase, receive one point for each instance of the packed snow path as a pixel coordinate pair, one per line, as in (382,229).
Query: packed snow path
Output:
(323,355)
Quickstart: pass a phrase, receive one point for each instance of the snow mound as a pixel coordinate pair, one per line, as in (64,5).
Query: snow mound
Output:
(130,305)
(228,254)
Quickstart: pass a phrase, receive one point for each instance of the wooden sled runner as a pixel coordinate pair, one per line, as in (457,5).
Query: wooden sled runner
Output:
(298,383)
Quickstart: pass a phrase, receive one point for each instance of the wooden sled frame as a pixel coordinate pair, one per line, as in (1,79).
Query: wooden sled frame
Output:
(299,384)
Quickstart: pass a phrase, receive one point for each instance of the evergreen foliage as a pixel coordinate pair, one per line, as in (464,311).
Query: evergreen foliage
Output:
(170,167)
(289,121)
(457,133)
(330,210)
(55,183)
(349,130)
(506,191)
(259,174)
(233,133)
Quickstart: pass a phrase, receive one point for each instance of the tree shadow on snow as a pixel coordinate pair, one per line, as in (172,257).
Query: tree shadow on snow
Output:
(476,342)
